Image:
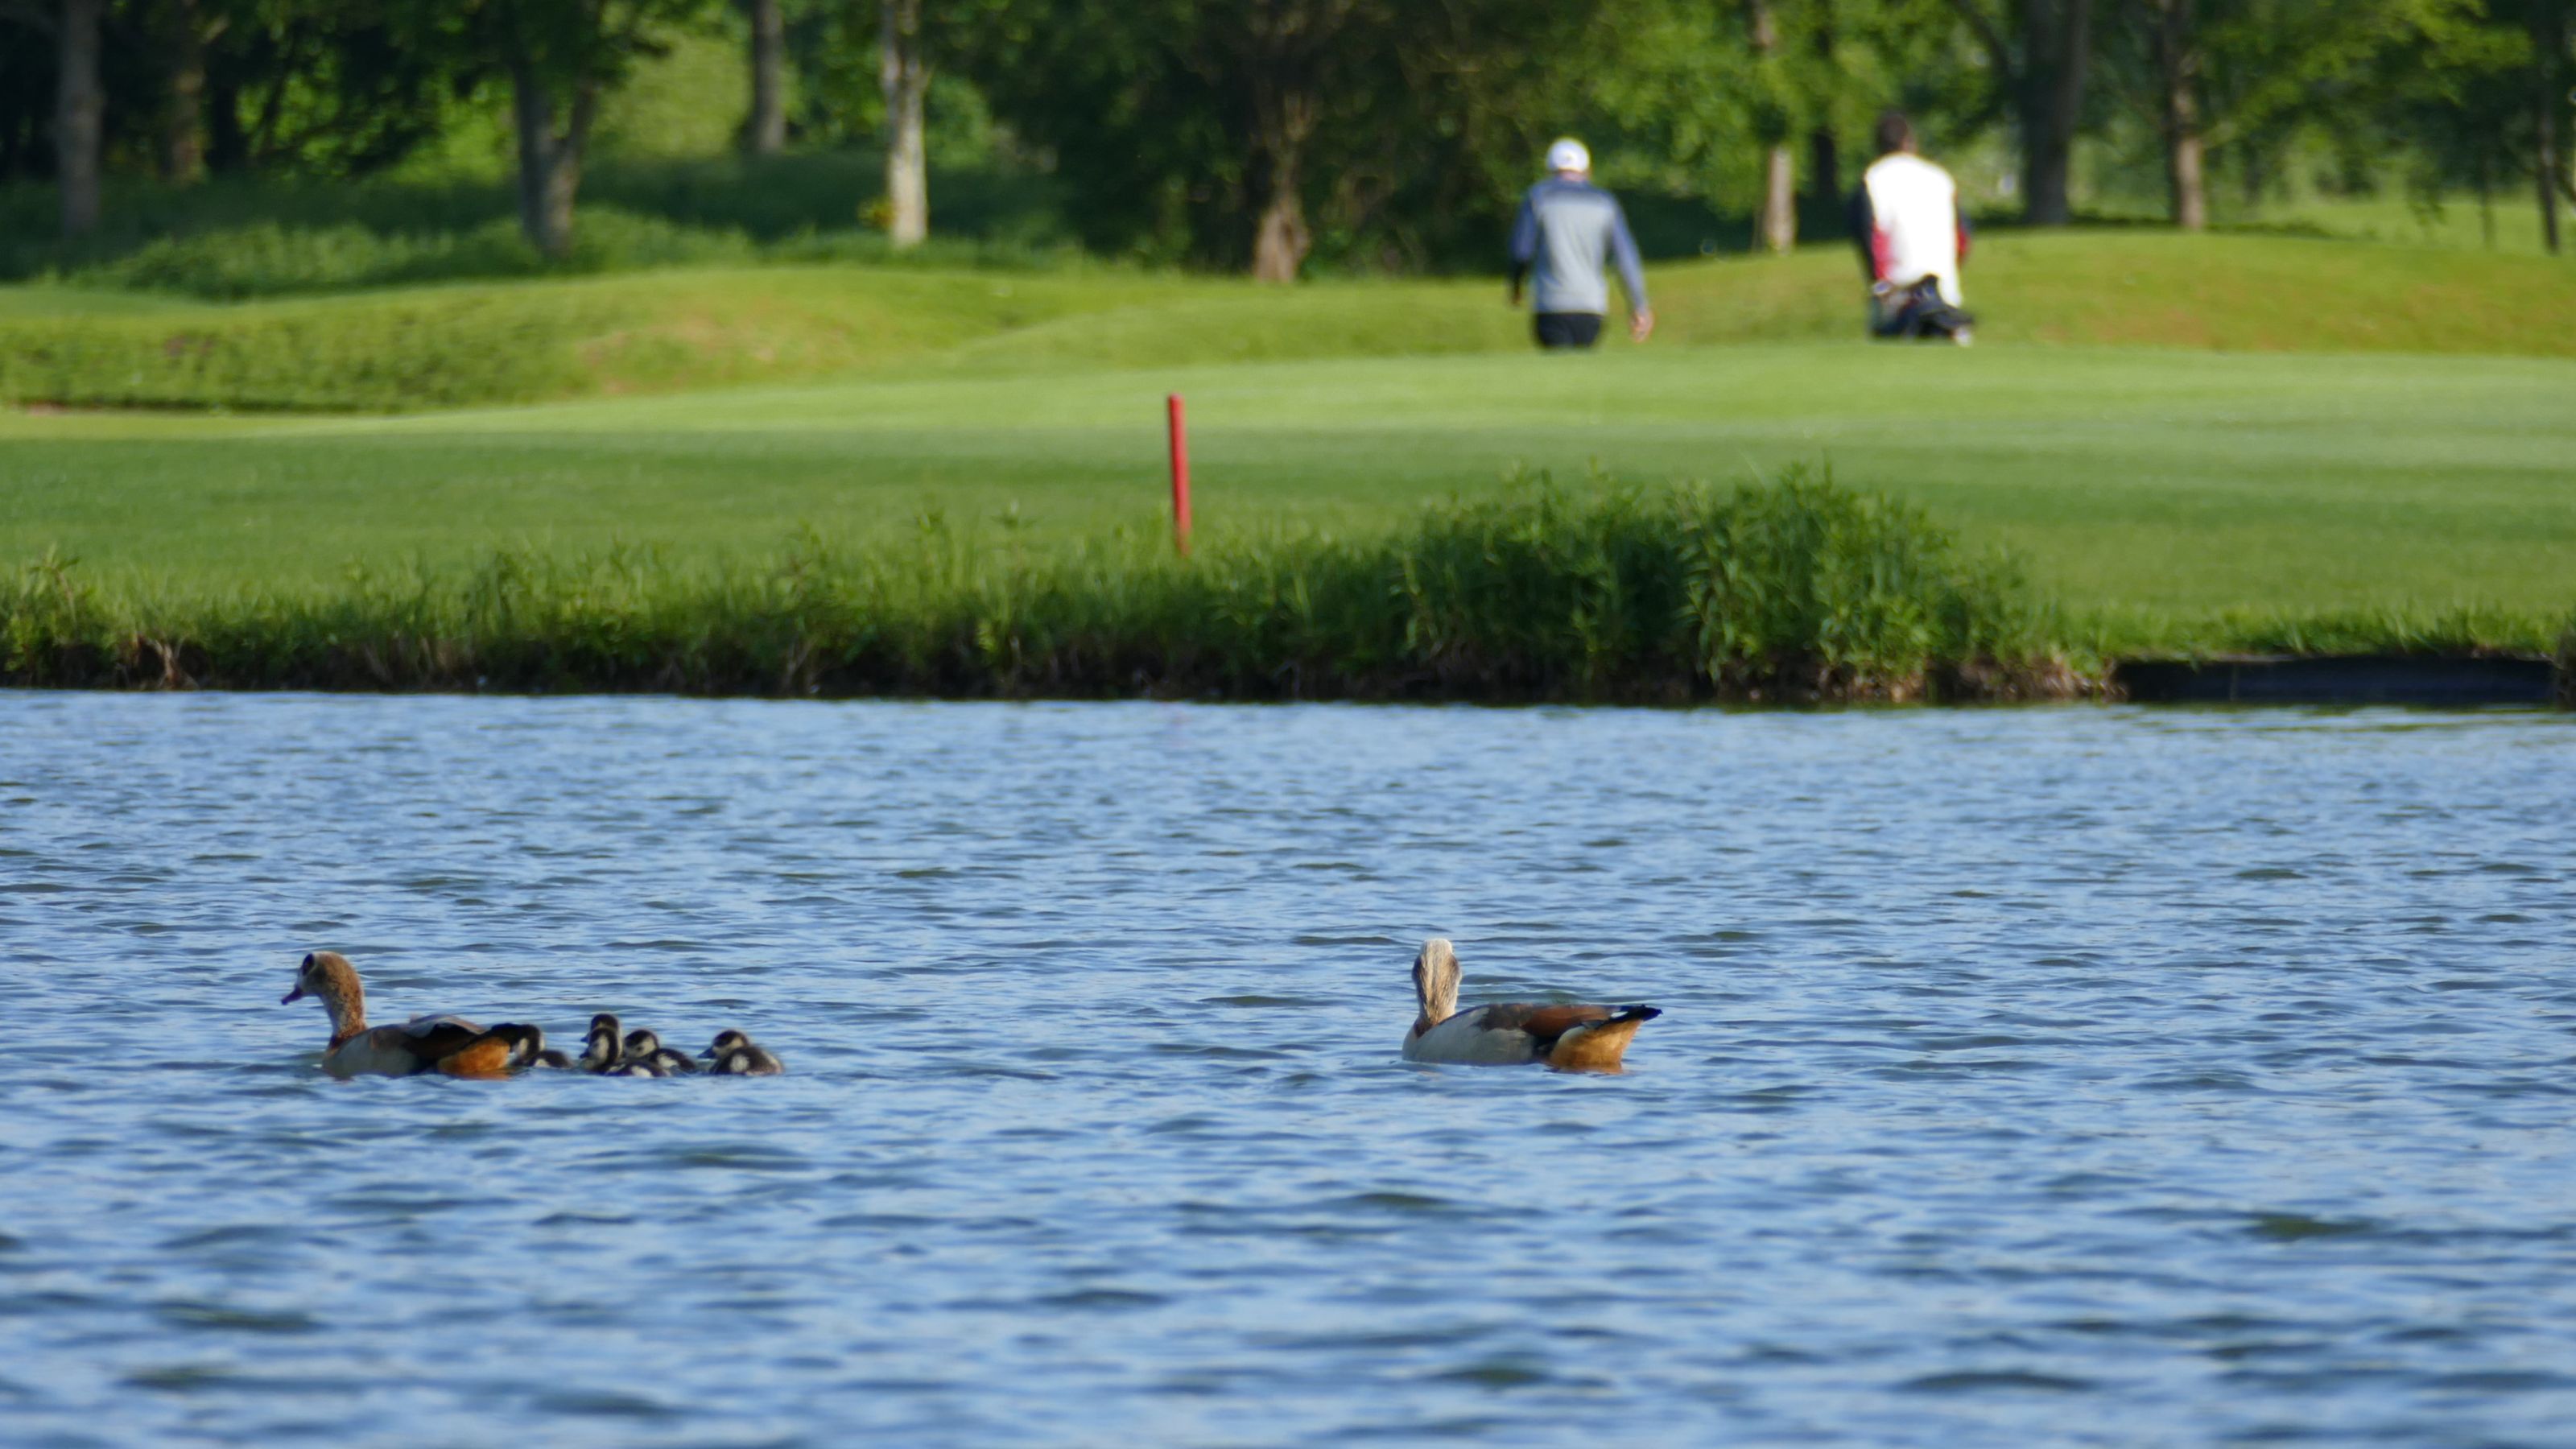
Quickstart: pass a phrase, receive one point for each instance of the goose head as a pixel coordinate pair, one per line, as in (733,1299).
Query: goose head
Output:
(328,975)
(1435,980)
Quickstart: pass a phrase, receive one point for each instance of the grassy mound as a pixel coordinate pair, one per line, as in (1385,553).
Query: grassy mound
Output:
(674,330)
(727,203)
(1799,590)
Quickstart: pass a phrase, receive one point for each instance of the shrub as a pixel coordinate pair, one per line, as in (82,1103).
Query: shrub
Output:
(266,259)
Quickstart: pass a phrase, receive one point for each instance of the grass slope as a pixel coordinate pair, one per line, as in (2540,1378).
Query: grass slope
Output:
(2161,491)
(681,330)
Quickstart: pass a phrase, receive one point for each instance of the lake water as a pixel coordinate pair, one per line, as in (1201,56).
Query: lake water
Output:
(2083,1076)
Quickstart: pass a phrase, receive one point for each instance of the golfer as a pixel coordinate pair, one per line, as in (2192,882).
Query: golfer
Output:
(1905,218)
(1567,227)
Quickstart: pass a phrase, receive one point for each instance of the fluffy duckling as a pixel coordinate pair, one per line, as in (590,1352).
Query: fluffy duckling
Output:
(601,1050)
(449,1045)
(643,1045)
(528,1047)
(1569,1038)
(736,1055)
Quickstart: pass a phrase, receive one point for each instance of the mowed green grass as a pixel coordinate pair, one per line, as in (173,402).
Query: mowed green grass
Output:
(425,348)
(2145,485)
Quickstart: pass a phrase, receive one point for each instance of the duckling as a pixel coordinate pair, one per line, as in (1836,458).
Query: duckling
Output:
(642,1045)
(528,1047)
(736,1055)
(600,1051)
(639,1068)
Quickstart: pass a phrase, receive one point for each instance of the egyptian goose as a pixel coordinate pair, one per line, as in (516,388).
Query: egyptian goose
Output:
(1569,1038)
(646,1047)
(450,1045)
(736,1055)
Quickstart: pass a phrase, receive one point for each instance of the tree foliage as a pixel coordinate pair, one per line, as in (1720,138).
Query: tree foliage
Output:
(1273,134)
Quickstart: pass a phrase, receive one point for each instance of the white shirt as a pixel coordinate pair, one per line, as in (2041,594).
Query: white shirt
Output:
(1914,222)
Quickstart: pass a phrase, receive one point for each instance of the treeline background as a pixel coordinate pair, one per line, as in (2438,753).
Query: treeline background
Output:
(1275,136)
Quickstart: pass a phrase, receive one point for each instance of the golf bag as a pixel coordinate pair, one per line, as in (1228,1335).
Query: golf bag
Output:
(1918,311)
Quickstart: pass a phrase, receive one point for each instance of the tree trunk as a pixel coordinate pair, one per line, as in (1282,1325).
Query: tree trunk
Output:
(227,147)
(549,159)
(2486,200)
(905,79)
(1777,226)
(183,136)
(1824,154)
(1284,113)
(79,106)
(1279,247)
(2057,60)
(2545,172)
(1825,170)
(764,131)
(1779,199)
(2548,155)
(2178,58)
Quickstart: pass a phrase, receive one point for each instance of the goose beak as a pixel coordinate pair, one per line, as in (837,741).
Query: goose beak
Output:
(296,995)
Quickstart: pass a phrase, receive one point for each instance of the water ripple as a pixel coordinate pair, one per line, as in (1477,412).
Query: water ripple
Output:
(2057,1076)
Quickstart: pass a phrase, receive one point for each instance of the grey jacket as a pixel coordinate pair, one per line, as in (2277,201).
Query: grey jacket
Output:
(1565,231)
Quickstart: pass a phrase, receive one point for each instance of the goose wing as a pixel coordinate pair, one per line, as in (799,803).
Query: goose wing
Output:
(1542,1024)
(1581,1036)
(458,1047)
(1504,1034)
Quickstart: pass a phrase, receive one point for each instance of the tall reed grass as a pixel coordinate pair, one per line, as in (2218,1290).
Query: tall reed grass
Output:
(1793,591)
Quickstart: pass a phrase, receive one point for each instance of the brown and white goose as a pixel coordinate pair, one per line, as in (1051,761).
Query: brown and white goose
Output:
(1568,1038)
(449,1045)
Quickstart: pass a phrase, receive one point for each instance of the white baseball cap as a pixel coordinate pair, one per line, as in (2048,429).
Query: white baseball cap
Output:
(1568,155)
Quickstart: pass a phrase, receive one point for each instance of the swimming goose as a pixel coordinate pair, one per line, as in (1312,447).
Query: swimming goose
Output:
(736,1055)
(646,1047)
(446,1044)
(1569,1038)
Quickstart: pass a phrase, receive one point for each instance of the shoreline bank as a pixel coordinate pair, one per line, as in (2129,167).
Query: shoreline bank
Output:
(143,664)
(1788,593)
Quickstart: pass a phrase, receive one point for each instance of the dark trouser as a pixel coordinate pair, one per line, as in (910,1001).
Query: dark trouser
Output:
(1918,311)
(1568,329)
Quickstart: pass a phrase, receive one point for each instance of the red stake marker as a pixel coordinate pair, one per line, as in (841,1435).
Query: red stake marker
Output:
(1180,477)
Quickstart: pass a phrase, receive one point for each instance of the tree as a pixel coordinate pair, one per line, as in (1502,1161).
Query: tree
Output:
(79,115)
(310,86)
(2547,21)
(903,75)
(1251,132)
(186,28)
(1777,221)
(764,131)
(2178,56)
(2215,74)
(2041,52)
(559,57)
